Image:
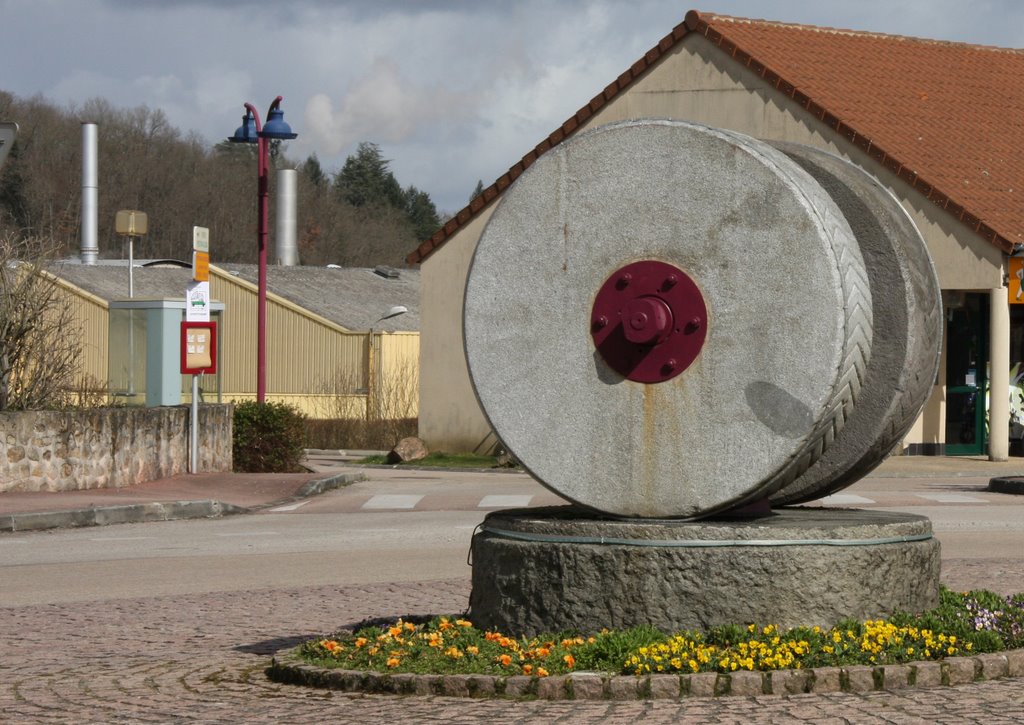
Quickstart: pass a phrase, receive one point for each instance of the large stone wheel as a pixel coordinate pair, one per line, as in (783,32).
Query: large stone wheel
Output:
(665,320)
(907,326)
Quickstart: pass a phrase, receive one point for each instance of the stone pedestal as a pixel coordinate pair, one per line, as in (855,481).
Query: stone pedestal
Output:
(564,568)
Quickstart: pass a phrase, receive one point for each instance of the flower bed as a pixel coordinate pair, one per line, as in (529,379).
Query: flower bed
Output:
(963,624)
(903,650)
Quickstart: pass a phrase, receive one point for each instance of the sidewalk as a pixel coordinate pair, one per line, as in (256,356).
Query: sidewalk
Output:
(202,495)
(207,495)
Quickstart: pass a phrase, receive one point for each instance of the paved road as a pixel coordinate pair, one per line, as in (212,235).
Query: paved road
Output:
(173,622)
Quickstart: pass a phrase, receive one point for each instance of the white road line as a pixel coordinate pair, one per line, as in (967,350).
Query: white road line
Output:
(497,501)
(250,533)
(950,498)
(392,501)
(843,499)
(289,507)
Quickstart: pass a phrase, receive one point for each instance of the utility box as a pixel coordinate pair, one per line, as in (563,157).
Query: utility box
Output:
(144,354)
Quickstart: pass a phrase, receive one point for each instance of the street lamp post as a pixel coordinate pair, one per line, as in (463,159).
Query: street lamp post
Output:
(252,132)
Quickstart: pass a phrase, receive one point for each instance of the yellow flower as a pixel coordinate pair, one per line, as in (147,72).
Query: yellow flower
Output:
(361,642)
(453,652)
(463,623)
(473,649)
(541,672)
(394,662)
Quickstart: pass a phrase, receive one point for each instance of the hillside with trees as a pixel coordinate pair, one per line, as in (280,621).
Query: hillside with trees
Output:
(358,216)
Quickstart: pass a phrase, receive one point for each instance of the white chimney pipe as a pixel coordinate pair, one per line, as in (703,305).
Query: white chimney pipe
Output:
(90,194)
(287,248)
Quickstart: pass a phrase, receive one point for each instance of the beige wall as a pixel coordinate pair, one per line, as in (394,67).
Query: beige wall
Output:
(90,315)
(455,422)
(695,82)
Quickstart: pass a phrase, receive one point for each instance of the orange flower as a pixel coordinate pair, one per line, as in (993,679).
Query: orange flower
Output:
(505,660)
(361,642)
(543,652)
(527,669)
(463,623)
(473,649)
(570,661)
(445,624)
(541,672)
(435,640)
(394,662)
(395,631)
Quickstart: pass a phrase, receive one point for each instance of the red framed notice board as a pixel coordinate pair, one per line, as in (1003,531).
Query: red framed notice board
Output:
(198,347)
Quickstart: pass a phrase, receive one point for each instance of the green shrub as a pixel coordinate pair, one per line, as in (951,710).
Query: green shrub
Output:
(268,437)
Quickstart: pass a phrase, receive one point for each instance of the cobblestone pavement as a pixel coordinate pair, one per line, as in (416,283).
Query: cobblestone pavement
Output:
(200,658)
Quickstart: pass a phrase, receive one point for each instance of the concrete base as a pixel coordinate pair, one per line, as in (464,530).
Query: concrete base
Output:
(562,568)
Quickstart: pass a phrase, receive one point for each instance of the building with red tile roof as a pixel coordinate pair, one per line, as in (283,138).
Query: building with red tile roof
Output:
(938,123)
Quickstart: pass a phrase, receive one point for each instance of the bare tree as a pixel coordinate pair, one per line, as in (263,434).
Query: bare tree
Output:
(40,349)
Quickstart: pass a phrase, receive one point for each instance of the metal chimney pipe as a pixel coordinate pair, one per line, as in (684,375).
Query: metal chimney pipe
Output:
(287,248)
(90,194)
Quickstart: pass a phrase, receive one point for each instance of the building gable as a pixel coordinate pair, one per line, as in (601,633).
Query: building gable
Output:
(882,93)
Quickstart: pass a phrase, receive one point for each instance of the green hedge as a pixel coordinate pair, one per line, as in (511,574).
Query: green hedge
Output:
(268,437)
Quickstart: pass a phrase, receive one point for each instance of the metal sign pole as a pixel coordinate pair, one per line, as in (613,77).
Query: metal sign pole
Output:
(194,428)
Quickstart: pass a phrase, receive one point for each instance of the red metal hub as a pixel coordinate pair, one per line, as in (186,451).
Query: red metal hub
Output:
(649,321)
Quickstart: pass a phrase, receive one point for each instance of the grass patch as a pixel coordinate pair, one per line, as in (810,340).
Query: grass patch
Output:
(440,459)
(963,624)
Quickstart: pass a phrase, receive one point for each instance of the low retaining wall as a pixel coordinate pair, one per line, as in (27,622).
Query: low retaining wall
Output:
(107,447)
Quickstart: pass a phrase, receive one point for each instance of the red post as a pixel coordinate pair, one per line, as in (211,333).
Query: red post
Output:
(262,222)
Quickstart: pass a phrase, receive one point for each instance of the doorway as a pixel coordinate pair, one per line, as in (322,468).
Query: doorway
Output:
(966,376)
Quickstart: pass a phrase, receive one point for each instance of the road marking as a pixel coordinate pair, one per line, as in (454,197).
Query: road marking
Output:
(289,507)
(392,501)
(842,499)
(496,501)
(250,533)
(950,498)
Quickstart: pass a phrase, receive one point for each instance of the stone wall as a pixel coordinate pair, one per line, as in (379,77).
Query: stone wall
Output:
(107,447)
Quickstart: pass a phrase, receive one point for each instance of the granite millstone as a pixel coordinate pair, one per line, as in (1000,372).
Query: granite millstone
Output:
(907,320)
(788,319)
(547,570)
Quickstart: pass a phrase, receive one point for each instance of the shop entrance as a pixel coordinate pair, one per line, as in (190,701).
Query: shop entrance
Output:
(966,376)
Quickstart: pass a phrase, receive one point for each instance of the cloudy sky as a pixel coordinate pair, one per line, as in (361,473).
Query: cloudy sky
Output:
(452,90)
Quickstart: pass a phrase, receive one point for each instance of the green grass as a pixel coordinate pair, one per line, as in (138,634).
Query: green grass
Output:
(441,460)
(963,624)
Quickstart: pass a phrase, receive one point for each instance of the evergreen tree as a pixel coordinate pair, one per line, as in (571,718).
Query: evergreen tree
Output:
(365,179)
(478,190)
(421,212)
(313,171)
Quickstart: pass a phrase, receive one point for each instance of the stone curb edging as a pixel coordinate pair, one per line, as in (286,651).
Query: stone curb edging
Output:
(167,511)
(1006,484)
(316,487)
(126,514)
(440,469)
(287,668)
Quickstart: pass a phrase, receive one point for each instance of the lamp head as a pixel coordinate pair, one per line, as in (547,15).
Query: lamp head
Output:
(276,126)
(246,133)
